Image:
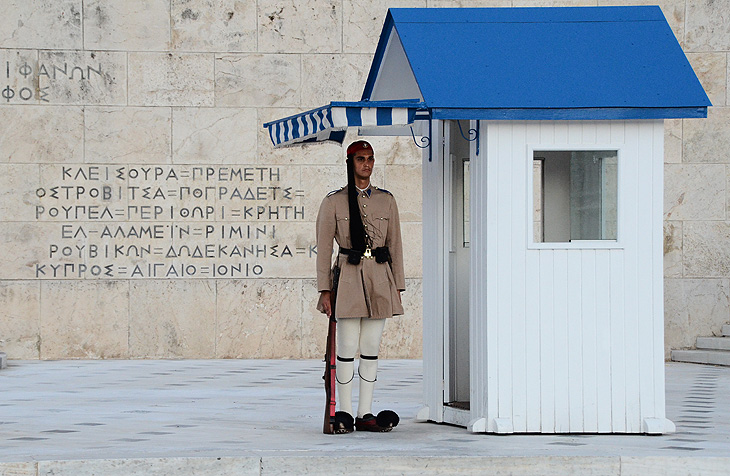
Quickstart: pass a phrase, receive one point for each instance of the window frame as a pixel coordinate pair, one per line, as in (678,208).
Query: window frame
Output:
(577,244)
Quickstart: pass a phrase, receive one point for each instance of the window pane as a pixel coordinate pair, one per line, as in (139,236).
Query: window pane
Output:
(578,195)
(537,198)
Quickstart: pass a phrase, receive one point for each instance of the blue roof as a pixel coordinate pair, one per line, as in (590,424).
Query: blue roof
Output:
(545,63)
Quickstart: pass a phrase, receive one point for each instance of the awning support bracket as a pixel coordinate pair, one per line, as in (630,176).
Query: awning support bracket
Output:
(475,132)
(426,140)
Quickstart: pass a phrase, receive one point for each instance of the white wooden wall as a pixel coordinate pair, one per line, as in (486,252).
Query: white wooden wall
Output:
(434,279)
(565,340)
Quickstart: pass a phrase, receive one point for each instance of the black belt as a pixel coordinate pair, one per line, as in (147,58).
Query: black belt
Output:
(381,254)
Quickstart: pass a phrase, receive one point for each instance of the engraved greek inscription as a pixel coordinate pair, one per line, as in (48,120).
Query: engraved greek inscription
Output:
(243,174)
(84,71)
(86,196)
(77,212)
(275,253)
(25,70)
(55,68)
(26,94)
(72,232)
(8,93)
(89,69)
(153,232)
(69,192)
(90,173)
(73,270)
(144,212)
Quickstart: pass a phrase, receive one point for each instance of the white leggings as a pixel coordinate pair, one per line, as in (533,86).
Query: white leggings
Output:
(352,333)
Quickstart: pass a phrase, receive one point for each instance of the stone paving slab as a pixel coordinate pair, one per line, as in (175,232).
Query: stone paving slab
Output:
(264,417)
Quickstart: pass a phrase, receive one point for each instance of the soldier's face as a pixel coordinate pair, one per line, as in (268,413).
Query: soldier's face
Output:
(363,163)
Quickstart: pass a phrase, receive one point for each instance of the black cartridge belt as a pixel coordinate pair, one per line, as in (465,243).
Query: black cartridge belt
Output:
(381,254)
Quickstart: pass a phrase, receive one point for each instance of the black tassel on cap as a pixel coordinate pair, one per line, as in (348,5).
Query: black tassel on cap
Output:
(357,230)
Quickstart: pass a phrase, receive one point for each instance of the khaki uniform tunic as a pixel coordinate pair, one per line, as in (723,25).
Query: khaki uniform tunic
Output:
(368,289)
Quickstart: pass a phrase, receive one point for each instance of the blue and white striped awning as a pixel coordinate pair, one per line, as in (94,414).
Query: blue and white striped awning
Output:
(330,123)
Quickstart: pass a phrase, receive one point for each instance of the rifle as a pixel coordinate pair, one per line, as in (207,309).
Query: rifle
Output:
(330,366)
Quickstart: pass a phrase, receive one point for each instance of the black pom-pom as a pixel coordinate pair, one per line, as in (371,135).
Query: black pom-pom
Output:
(387,419)
(344,421)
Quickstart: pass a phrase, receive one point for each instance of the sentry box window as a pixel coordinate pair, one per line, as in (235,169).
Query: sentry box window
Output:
(575,195)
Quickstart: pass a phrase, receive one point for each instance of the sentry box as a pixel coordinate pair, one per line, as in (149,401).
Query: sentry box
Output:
(543,139)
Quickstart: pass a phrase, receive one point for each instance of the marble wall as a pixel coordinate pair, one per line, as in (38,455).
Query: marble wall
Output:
(146,215)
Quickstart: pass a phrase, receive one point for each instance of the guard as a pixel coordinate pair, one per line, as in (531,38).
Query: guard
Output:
(364,221)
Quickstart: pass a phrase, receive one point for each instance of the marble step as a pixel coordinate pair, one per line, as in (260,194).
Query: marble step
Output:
(713,343)
(383,462)
(726,330)
(712,357)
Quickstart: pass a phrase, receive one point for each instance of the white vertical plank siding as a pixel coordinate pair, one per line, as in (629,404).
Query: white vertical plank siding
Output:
(433,280)
(532,323)
(448,236)
(562,133)
(479,370)
(549,390)
(574,347)
(645,270)
(619,398)
(504,261)
(590,132)
(630,234)
(561,344)
(519,177)
(589,294)
(658,268)
(605,302)
(602,342)
(562,339)
(547,343)
(490,260)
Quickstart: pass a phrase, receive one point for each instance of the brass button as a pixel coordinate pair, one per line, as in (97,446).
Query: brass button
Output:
(364,205)
(364,215)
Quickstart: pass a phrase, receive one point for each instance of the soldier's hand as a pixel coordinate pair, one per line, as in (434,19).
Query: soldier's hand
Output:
(325,299)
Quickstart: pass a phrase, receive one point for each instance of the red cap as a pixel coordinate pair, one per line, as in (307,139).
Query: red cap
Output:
(357,146)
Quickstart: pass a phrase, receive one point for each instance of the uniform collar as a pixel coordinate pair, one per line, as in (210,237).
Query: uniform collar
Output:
(365,191)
